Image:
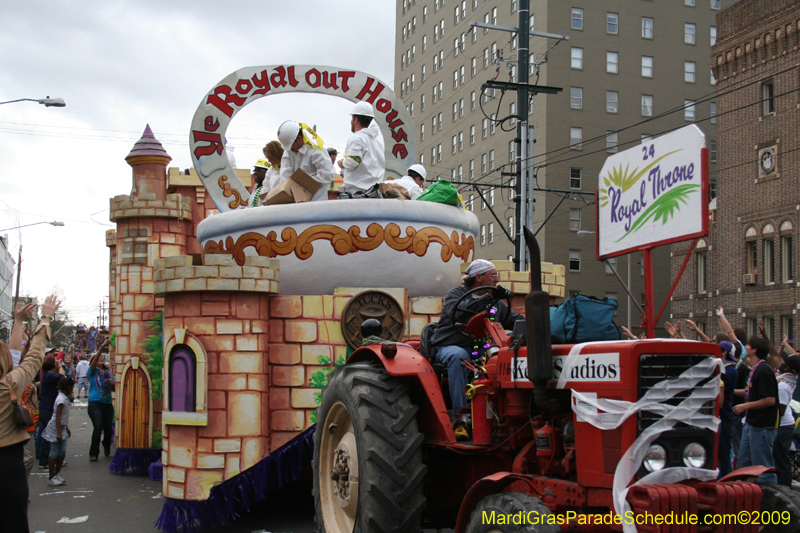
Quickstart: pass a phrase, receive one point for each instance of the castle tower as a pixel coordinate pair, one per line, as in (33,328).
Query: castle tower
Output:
(151,224)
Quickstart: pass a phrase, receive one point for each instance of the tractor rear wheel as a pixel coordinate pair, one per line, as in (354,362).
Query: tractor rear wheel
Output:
(511,512)
(783,506)
(367,464)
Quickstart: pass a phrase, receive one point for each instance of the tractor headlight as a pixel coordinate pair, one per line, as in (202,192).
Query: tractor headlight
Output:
(655,458)
(694,455)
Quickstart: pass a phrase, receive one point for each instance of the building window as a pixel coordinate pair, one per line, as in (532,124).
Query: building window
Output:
(510,151)
(688,110)
(575,178)
(455,47)
(460,173)
(647,28)
(485,128)
(474,66)
(612,101)
(576,98)
(787,326)
(611,142)
(491,196)
(787,268)
(714,4)
(574,219)
(472,135)
(647,67)
(413,77)
(575,260)
(411,110)
(689,68)
(713,35)
(688,33)
(769,261)
(422,103)
(483,163)
(612,23)
(647,105)
(751,258)
(577,58)
(575,138)
(434,121)
(712,151)
(492,124)
(441,120)
(769,328)
(511,226)
(439,152)
(455,111)
(472,101)
(471,169)
(491,232)
(423,72)
(483,235)
(485,57)
(422,132)
(471,205)
(491,159)
(577,19)
(460,141)
(612,62)
(689,3)
(768,97)
(701,272)
(611,265)
(454,145)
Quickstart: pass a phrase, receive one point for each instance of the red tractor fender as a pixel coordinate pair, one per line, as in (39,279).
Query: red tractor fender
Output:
(482,488)
(425,390)
(748,473)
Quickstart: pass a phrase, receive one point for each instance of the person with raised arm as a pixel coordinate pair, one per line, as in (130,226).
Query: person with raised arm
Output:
(13,481)
(101,407)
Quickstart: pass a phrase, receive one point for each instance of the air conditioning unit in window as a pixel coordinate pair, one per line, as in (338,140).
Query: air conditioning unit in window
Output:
(749,279)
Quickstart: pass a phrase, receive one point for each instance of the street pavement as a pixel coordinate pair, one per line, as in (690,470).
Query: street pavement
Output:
(131,503)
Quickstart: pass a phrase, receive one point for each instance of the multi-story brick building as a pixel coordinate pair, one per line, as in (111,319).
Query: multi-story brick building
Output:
(748,264)
(627,71)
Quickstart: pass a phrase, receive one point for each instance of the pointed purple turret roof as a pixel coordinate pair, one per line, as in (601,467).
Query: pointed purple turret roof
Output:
(148,147)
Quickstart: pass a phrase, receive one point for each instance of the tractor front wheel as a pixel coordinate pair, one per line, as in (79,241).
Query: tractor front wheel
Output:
(368,467)
(511,512)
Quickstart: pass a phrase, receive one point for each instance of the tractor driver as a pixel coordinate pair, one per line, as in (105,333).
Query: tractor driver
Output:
(452,345)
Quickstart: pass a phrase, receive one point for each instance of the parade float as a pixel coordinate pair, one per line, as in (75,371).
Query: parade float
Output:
(228,320)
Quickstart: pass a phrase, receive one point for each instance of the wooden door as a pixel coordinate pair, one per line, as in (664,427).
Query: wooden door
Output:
(135,418)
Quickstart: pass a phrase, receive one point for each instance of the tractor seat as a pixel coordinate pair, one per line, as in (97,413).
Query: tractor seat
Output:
(428,350)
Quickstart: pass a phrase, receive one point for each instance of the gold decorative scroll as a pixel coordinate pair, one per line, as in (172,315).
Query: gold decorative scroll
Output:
(344,242)
(227,191)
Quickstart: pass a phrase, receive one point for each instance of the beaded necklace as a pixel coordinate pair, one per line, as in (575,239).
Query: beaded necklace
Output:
(256,194)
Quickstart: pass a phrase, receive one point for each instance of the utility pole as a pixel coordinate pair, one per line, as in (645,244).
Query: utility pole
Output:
(524,144)
(19,272)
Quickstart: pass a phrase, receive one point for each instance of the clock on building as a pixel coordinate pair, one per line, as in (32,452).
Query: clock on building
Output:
(766,161)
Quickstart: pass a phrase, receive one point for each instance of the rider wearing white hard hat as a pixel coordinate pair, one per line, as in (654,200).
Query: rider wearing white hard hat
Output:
(413,180)
(364,162)
(304,149)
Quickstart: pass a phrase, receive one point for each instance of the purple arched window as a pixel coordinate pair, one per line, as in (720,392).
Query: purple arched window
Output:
(182,376)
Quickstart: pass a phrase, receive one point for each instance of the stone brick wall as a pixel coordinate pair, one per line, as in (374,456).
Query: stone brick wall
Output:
(758,41)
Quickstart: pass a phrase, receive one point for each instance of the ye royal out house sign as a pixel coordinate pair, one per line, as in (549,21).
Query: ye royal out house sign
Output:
(653,194)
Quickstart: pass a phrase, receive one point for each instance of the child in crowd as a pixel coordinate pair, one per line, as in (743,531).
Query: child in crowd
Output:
(57,431)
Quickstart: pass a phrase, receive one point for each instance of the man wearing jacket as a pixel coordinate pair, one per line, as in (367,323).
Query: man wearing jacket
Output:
(453,346)
(364,162)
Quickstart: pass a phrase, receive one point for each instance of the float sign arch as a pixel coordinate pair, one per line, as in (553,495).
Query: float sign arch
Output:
(246,85)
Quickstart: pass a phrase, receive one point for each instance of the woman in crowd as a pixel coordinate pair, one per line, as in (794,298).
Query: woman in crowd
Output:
(101,407)
(13,483)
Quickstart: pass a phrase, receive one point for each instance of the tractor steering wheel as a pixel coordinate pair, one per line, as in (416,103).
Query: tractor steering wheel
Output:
(497,293)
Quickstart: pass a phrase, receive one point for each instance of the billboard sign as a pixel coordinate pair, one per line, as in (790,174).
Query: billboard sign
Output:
(653,194)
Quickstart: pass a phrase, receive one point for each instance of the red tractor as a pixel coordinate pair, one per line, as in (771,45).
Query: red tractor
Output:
(559,433)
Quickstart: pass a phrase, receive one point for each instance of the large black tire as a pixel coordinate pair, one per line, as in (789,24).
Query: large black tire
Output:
(368,469)
(780,499)
(484,519)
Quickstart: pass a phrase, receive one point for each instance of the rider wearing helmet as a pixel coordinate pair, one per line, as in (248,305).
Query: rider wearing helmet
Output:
(413,180)
(303,149)
(364,162)
(453,345)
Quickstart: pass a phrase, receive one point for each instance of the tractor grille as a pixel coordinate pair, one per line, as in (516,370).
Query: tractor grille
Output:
(658,367)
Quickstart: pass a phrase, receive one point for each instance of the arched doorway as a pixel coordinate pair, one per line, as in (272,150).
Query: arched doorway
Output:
(135,416)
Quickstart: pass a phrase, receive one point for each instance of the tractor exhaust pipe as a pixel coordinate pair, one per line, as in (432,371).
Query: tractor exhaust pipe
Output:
(537,328)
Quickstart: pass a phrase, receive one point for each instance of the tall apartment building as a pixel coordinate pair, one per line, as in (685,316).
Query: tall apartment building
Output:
(631,69)
(748,265)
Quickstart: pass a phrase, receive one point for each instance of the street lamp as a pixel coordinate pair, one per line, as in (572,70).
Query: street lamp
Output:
(47,102)
(19,258)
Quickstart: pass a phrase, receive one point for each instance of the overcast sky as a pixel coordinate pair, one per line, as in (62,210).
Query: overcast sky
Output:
(120,65)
